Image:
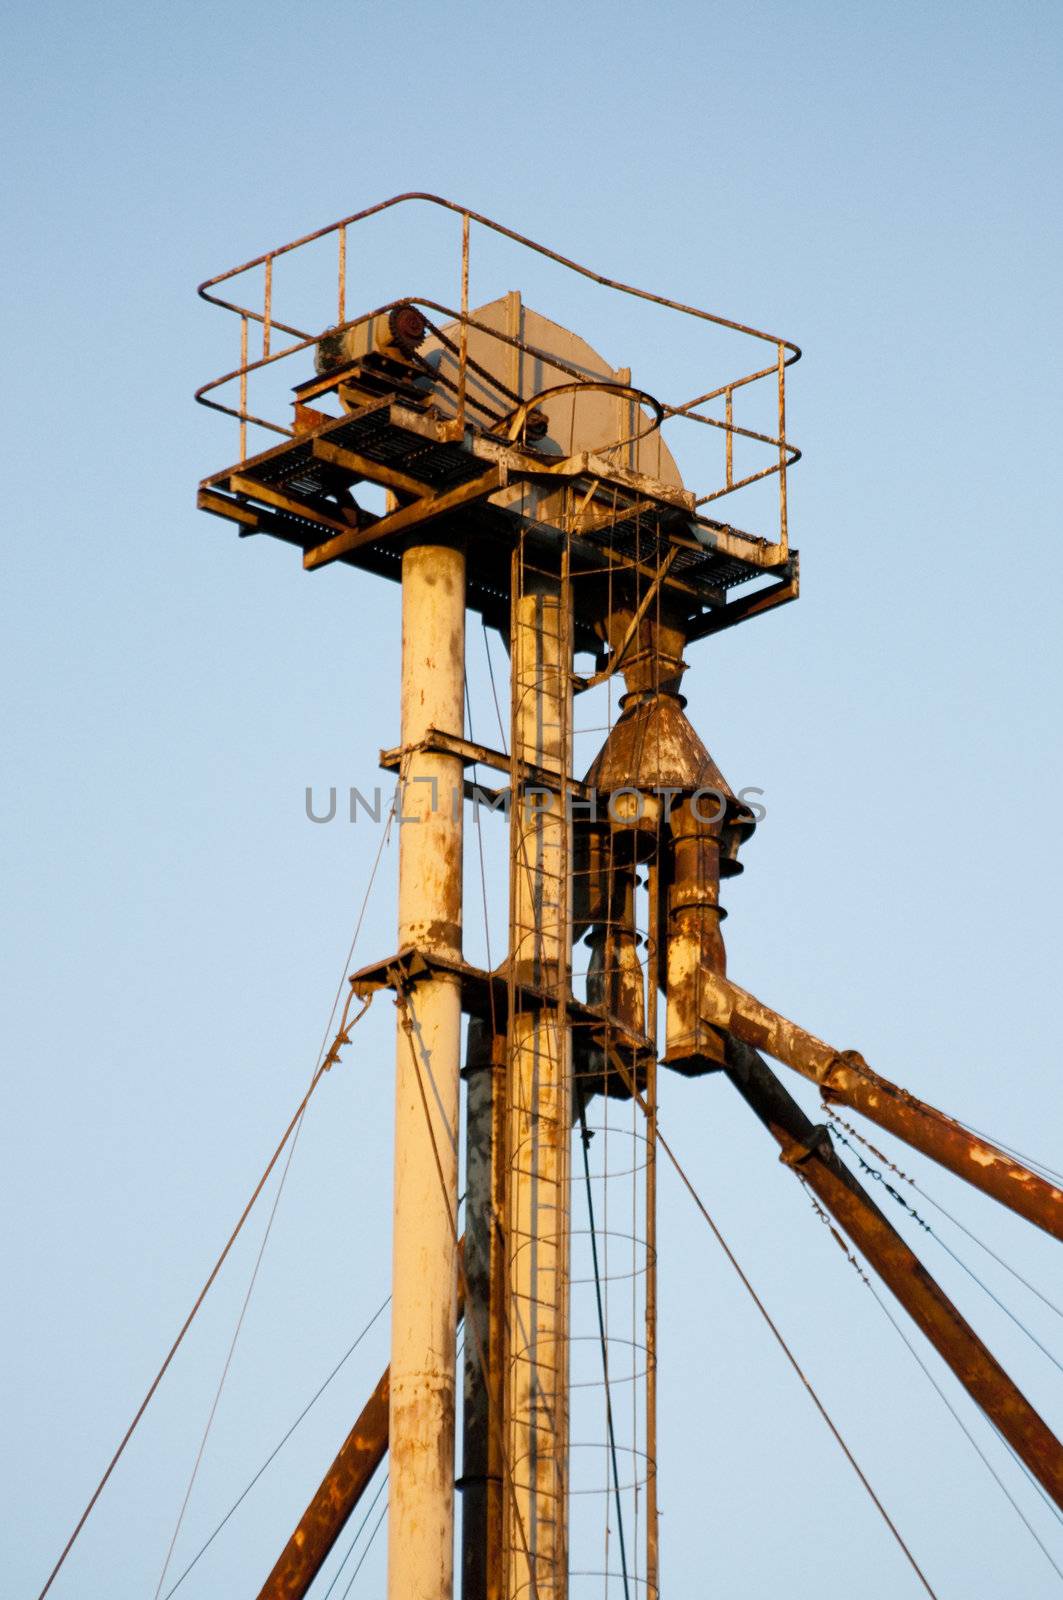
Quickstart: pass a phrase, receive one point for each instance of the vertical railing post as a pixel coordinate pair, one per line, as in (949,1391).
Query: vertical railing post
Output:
(243,388)
(267,307)
(463,342)
(729,417)
(783,535)
(341,293)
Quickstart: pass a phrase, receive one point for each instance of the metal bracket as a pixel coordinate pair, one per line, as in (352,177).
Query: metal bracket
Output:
(797,1151)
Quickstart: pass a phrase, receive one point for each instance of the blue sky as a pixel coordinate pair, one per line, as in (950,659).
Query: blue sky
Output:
(883,187)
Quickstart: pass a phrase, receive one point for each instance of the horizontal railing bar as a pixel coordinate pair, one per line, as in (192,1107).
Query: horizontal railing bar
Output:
(754,477)
(509,233)
(683,411)
(714,394)
(257,316)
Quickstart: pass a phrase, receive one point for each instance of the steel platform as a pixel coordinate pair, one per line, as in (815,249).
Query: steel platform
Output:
(300,492)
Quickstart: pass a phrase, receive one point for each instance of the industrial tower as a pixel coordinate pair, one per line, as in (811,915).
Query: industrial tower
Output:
(530,482)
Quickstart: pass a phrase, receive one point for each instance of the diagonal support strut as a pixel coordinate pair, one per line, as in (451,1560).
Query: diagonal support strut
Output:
(809,1150)
(341,1489)
(845,1076)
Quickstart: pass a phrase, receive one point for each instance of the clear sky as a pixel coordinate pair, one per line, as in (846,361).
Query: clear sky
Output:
(881,184)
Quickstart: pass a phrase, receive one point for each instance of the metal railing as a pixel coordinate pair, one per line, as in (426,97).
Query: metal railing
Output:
(783,454)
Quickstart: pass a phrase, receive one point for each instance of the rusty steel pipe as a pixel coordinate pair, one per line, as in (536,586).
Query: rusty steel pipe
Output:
(695,938)
(809,1150)
(846,1077)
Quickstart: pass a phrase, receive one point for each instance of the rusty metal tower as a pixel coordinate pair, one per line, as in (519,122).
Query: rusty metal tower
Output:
(532,483)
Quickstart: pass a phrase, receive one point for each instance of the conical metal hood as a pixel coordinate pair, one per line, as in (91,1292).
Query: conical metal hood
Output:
(654,749)
(653,746)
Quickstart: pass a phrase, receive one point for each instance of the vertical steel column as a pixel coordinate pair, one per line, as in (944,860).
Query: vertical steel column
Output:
(695,938)
(424,1249)
(539,1095)
(653,1563)
(481,1468)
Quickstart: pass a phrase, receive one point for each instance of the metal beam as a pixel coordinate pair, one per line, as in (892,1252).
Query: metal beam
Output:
(427,509)
(809,1150)
(618,655)
(473,754)
(232,510)
(846,1076)
(751,605)
(424,1266)
(296,505)
(481,1481)
(341,1489)
(364,467)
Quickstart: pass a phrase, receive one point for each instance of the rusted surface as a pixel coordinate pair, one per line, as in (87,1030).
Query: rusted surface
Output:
(627,645)
(615,979)
(509,233)
(503,376)
(622,526)
(421,511)
(809,1149)
(481,1481)
(660,785)
(490,995)
(695,938)
(427,1064)
(644,628)
(846,1077)
(341,1489)
(786,588)
(653,748)
(539,1097)
(473,754)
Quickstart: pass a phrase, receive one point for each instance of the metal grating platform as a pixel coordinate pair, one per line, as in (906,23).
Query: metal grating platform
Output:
(292,492)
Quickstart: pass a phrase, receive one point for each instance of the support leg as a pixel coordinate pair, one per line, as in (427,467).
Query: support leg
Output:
(539,1095)
(809,1149)
(424,1259)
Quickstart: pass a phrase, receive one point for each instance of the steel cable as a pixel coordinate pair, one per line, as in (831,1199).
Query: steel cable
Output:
(776,1334)
(914,1353)
(351,1348)
(368,1546)
(839,1122)
(357,1535)
(585,1138)
(276,1203)
(260,1185)
(876,1175)
(319,1071)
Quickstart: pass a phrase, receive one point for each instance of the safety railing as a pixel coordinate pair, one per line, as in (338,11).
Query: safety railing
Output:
(781,453)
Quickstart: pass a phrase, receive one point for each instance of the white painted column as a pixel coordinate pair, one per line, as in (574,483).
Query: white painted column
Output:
(539,1108)
(424,1260)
